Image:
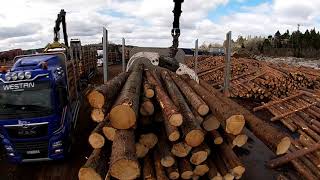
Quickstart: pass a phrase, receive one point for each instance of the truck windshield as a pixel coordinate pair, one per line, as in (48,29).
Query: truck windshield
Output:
(25,100)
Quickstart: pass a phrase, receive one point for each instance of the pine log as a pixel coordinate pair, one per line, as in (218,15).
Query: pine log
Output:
(146,107)
(217,138)
(95,167)
(148,168)
(181,149)
(167,158)
(290,156)
(276,140)
(201,169)
(173,171)
(160,171)
(232,160)
(123,114)
(149,140)
(191,130)
(108,131)
(141,150)
(238,140)
(233,122)
(147,89)
(199,154)
(221,166)
(193,98)
(170,111)
(97,115)
(107,93)
(302,169)
(198,117)
(210,123)
(213,173)
(123,160)
(96,139)
(172,132)
(185,169)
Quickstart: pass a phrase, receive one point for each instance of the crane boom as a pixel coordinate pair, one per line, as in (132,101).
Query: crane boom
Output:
(175,32)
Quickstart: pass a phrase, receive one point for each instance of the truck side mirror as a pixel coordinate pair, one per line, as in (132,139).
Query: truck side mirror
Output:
(63,96)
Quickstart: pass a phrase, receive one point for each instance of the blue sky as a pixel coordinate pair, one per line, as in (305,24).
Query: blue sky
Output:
(28,24)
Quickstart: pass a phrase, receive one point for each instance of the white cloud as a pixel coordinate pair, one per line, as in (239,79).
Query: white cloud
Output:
(29,23)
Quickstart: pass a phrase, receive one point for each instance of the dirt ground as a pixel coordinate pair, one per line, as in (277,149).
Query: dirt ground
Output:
(253,155)
(66,169)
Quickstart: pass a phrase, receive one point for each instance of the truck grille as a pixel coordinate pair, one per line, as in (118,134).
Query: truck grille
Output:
(27,131)
(32,150)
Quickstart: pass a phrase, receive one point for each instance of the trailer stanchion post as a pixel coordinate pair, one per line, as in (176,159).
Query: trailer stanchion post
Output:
(105,55)
(123,55)
(227,70)
(196,52)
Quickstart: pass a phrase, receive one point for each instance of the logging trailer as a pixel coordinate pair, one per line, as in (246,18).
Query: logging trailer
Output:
(40,97)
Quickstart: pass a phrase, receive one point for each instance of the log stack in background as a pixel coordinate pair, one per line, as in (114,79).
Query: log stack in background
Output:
(165,126)
(256,79)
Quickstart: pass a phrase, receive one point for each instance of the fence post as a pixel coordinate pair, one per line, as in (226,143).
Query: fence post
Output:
(105,55)
(123,55)
(196,52)
(227,71)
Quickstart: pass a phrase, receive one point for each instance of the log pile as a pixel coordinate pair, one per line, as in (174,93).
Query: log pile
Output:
(165,126)
(256,79)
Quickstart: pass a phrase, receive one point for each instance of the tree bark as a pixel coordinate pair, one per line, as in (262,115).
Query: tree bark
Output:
(96,139)
(123,114)
(216,136)
(185,169)
(231,160)
(169,110)
(293,155)
(221,166)
(276,140)
(123,160)
(106,93)
(148,168)
(95,167)
(198,117)
(213,173)
(234,121)
(167,159)
(160,171)
(191,130)
(236,140)
(193,98)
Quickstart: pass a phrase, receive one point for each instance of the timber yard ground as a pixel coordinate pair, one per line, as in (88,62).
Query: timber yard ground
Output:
(253,155)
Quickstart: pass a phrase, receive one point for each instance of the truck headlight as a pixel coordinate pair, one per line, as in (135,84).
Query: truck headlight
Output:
(57,151)
(7,77)
(21,75)
(14,76)
(11,154)
(57,144)
(27,75)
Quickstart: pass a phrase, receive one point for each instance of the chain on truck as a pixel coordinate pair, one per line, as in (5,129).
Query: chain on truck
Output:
(40,96)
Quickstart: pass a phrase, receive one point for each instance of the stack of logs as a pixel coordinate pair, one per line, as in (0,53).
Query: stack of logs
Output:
(165,126)
(299,113)
(256,79)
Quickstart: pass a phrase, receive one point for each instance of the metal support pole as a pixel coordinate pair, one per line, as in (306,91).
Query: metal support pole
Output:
(227,71)
(123,55)
(105,55)
(196,57)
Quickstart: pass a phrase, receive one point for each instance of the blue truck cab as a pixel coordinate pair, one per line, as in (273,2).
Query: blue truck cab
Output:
(37,118)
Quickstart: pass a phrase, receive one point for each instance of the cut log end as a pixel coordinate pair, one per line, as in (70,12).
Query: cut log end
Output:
(176,120)
(149,93)
(167,161)
(149,140)
(88,174)
(109,133)
(198,157)
(238,170)
(217,178)
(218,140)
(194,138)
(174,136)
(283,146)
(96,99)
(181,149)
(141,150)
(235,124)
(96,140)
(240,140)
(228,176)
(174,175)
(125,169)
(186,175)
(122,117)
(211,124)
(97,115)
(201,170)
(203,109)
